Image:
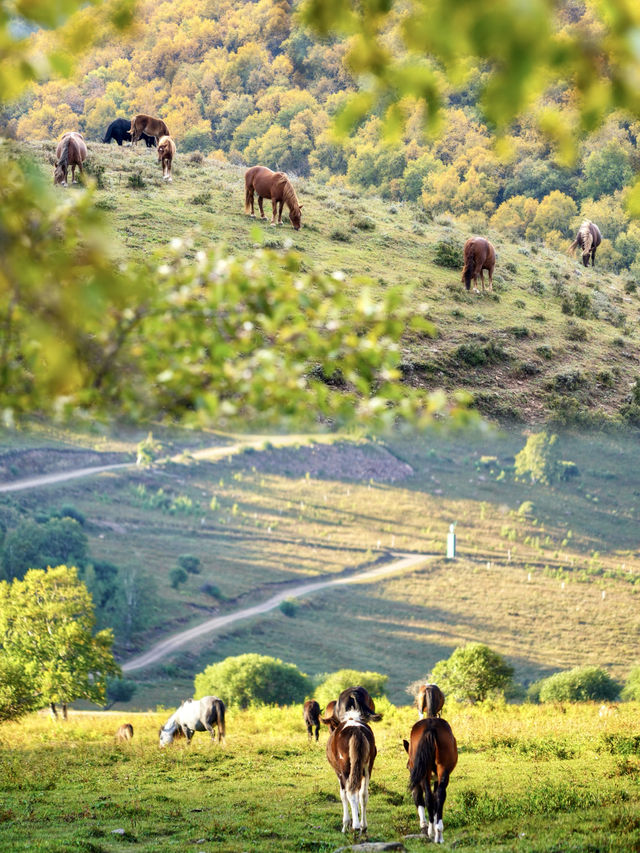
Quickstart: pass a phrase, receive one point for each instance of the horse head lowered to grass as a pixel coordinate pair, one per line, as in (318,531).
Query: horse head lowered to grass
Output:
(588,239)
(275,186)
(195,715)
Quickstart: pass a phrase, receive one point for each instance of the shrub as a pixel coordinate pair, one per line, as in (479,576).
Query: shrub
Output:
(250,679)
(631,690)
(580,684)
(119,690)
(136,181)
(340,235)
(336,682)
(189,563)
(448,254)
(212,590)
(177,576)
(473,673)
(288,607)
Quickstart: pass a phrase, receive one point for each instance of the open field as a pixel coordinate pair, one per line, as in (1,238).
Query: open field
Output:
(548,588)
(529,778)
(523,351)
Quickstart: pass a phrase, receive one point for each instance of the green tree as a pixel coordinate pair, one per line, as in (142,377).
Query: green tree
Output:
(253,679)
(473,673)
(606,170)
(333,685)
(119,690)
(35,546)
(46,627)
(580,684)
(177,575)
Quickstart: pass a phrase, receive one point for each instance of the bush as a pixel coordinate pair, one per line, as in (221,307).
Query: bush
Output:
(177,576)
(336,682)
(253,679)
(288,607)
(580,684)
(136,181)
(631,690)
(119,690)
(473,673)
(189,563)
(448,254)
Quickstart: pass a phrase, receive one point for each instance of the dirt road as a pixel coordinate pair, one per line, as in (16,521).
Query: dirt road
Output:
(171,644)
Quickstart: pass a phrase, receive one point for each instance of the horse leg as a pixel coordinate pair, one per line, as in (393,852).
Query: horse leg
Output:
(431,808)
(260,201)
(353,802)
(274,210)
(280,206)
(418,798)
(317,731)
(209,728)
(364,799)
(593,257)
(345,808)
(441,796)
(482,278)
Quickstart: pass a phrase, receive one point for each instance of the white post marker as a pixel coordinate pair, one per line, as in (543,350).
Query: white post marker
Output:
(451,542)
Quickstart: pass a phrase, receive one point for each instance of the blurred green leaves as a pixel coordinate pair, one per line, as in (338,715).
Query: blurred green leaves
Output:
(525,49)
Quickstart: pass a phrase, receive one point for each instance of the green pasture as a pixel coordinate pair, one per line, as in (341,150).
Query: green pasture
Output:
(529,778)
(549,588)
(554,341)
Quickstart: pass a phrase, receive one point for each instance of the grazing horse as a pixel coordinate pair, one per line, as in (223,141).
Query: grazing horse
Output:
(124,733)
(277,187)
(147,124)
(120,130)
(479,255)
(195,716)
(166,153)
(351,751)
(588,238)
(71,151)
(432,748)
(311,714)
(430,700)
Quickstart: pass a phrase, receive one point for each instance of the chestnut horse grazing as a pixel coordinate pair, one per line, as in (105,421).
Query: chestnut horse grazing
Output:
(430,700)
(432,748)
(147,124)
(71,151)
(479,255)
(275,186)
(351,751)
(311,714)
(588,239)
(166,153)
(124,733)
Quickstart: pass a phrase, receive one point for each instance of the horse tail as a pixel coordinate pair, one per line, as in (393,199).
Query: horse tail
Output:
(423,761)
(248,193)
(358,759)
(108,134)
(573,246)
(434,700)
(218,704)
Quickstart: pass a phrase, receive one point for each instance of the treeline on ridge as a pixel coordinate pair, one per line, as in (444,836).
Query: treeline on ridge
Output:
(247,83)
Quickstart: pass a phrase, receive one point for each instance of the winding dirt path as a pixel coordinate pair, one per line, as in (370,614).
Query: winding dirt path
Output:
(60,477)
(171,644)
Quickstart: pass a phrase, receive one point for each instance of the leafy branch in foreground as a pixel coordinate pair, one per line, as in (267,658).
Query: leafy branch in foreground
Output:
(203,339)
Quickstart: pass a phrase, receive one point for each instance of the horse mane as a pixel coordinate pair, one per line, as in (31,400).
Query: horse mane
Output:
(63,160)
(289,194)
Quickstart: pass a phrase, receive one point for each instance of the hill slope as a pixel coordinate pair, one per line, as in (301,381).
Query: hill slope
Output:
(555,341)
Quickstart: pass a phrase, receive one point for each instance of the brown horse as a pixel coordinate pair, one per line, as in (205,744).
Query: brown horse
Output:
(71,151)
(311,714)
(479,255)
(124,733)
(351,699)
(431,748)
(588,238)
(147,124)
(430,700)
(351,751)
(166,153)
(275,186)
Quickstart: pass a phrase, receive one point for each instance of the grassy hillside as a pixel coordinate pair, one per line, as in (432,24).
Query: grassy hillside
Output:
(528,779)
(549,588)
(555,341)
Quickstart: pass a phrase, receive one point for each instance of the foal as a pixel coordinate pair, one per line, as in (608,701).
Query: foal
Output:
(166,153)
(432,749)
(311,714)
(351,751)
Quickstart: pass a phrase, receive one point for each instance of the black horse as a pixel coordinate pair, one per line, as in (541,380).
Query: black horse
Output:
(120,130)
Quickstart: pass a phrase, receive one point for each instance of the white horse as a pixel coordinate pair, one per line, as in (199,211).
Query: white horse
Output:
(195,716)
